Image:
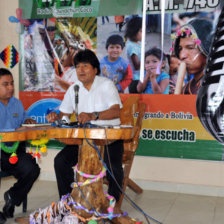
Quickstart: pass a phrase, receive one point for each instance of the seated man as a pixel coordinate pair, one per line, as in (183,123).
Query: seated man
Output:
(25,170)
(99,102)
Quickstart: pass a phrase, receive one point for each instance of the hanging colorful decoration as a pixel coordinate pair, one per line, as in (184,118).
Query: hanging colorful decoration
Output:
(92,178)
(58,212)
(66,207)
(12,150)
(10,56)
(39,144)
(13,158)
(18,18)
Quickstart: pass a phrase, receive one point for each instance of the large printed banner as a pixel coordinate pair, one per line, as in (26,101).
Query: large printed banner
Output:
(171,127)
(40,9)
(80,8)
(56,8)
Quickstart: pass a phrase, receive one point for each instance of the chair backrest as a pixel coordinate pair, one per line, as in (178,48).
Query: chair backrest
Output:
(130,106)
(132,144)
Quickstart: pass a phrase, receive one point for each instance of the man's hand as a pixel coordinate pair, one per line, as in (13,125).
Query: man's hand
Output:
(52,117)
(30,121)
(85,117)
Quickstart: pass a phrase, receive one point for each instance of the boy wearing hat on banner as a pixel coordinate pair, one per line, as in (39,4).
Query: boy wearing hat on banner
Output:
(191,45)
(113,66)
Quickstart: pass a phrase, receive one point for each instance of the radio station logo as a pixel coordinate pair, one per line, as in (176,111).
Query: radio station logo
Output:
(62,3)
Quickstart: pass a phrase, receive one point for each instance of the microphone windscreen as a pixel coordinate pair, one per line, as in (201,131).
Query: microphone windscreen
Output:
(76,88)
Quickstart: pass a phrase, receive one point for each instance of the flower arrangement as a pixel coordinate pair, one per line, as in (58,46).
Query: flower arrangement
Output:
(41,143)
(12,149)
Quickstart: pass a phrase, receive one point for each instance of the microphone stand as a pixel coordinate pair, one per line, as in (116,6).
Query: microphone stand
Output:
(76,89)
(76,111)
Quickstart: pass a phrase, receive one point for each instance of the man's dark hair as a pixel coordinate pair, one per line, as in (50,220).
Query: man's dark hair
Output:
(115,39)
(4,71)
(133,27)
(87,56)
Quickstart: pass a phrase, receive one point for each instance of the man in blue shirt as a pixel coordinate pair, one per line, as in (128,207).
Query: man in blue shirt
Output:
(25,170)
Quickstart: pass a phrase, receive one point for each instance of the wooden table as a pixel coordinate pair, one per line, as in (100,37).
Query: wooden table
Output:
(88,161)
(77,134)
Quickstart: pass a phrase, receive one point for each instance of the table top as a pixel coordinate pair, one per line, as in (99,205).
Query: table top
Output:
(31,133)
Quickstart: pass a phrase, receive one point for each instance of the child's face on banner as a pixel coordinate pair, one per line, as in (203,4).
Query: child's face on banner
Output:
(151,64)
(114,51)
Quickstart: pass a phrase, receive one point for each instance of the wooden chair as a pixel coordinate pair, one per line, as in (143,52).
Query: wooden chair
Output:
(130,106)
(5,174)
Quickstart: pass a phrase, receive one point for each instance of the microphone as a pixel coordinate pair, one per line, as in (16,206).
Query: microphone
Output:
(76,89)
